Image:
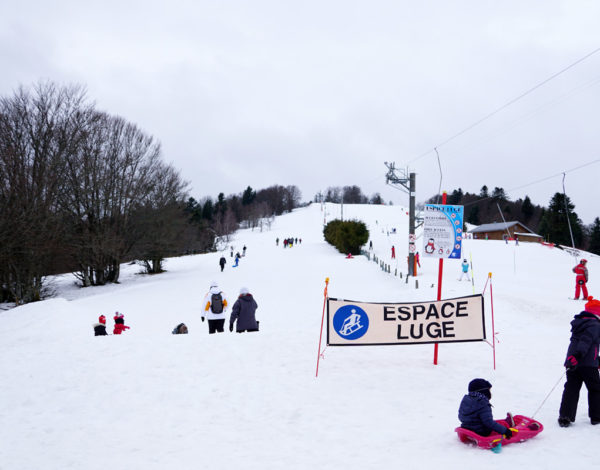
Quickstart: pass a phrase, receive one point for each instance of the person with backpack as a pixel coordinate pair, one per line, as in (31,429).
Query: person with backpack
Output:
(222,262)
(582,365)
(215,306)
(244,312)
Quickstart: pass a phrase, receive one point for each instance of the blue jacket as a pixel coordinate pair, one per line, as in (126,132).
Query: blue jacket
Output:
(475,413)
(585,336)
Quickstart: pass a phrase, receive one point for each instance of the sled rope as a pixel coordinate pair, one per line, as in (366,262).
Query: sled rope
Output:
(549,393)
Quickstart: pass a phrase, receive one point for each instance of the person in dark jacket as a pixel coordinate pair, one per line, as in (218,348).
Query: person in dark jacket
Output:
(244,311)
(582,365)
(475,411)
(222,262)
(100,327)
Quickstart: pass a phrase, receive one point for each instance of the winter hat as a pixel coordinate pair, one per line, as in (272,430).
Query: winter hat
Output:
(118,315)
(593,306)
(102,319)
(213,284)
(244,291)
(480,385)
(583,261)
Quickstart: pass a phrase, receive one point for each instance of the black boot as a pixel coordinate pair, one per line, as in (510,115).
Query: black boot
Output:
(564,422)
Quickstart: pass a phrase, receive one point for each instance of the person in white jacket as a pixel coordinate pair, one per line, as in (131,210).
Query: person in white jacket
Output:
(215,307)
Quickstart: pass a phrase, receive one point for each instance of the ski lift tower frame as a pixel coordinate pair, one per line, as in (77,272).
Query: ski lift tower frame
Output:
(406,182)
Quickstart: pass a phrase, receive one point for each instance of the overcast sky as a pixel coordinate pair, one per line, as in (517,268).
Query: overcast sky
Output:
(322,93)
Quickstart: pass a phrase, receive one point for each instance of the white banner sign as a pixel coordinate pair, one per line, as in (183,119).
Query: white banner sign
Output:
(445,321)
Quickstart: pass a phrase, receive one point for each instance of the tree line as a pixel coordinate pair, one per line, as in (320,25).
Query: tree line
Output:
(83,191)
(551,222)
(348,195)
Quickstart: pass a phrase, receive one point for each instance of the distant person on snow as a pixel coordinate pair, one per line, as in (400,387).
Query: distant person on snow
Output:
(120,326)
(244,312)
(393,252)
(100,327)
(222,262)
(180,329)
(475,411)
(581,279)
(277,241)
(215,306)
(237,260)
(244,251)
(465,270)
(582,365)
(417,260)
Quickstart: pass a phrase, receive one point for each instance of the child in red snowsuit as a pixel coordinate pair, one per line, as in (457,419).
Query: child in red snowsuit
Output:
(120,326)
(581,279)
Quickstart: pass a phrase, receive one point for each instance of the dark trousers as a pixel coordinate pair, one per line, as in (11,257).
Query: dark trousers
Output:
(222,266)
(575,378)
(216,326)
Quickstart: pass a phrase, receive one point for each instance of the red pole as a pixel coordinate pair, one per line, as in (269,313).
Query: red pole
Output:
(322,319)
(493,329)
(439,291)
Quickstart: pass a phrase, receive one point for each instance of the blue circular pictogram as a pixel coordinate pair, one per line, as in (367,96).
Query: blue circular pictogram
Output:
(350,322)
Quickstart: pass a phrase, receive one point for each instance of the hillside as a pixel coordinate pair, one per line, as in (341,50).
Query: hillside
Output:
(149,399)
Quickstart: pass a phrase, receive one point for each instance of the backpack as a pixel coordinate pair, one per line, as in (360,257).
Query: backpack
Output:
(216,303)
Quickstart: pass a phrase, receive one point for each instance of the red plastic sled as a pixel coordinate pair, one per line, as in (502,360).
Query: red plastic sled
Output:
(526,427)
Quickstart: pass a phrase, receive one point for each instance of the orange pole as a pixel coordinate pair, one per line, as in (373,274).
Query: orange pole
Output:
(322,319)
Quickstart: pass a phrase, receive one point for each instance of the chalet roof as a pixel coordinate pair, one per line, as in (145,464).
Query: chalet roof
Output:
(499,226)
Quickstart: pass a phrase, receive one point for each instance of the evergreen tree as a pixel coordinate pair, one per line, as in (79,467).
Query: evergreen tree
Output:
(595,237)
(527,209)
(499,194)
(473,217)
(555,226)
(248,196)
(484,191)
(455,197)
(208,209)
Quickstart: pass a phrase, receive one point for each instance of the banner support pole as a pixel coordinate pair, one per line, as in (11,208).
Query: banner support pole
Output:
(493,328)
(322,319)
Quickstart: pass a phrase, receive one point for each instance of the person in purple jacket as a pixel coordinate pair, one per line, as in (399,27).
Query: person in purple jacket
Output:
(244,312)
(582,365)
(475,411)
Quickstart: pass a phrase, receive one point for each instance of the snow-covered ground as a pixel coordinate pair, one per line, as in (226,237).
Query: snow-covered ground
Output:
(152,400)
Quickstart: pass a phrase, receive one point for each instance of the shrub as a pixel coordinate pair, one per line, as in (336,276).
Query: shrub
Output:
(348,236)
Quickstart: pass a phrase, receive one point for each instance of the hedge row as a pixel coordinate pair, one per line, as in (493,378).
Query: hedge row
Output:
(346,236)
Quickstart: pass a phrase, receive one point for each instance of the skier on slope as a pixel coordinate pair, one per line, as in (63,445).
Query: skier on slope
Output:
(581,279)
(222,262)
(465,270)
(582,365)
(215,306)
(475,411)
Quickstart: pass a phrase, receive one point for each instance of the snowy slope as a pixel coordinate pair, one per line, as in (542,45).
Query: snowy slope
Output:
(149,399)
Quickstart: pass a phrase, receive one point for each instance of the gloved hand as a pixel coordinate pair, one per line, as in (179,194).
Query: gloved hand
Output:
(571,363)
(202,319)
(231,327)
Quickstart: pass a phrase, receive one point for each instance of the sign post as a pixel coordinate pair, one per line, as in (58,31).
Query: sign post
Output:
(442,238)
